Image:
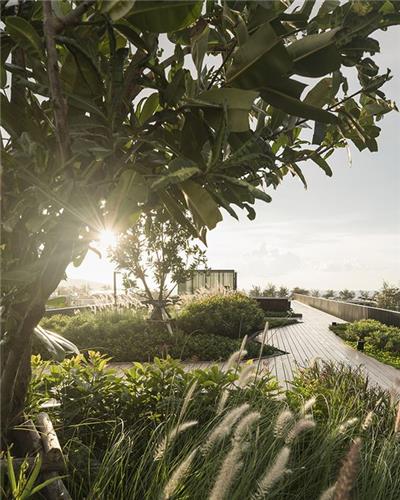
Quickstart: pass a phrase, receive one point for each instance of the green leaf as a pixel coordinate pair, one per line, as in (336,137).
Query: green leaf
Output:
(322,163)
(261,60)
(295,107)
(176,177)
(79,73)
(238,103)
(165,16)
(117,8)
(315,55)
(201,204)
(129,31)
(199,48)
(149,107)
(320,94)
(124,202)
(25,35)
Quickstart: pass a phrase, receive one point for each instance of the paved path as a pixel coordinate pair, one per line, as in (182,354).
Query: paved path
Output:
(312,339)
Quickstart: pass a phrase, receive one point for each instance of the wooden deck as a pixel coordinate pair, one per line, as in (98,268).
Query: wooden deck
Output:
(311,340)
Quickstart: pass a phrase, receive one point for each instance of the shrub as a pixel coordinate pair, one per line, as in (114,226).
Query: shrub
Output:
(127,336)
(379,337)
(231,315)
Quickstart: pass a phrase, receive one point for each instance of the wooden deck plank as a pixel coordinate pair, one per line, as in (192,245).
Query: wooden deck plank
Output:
(312,339)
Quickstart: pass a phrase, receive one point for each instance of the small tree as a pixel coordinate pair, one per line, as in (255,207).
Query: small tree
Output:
(255,291)
(315,293)
(329,294)
(388,297)
(157,253)
(365,295)
(346,294)
(283,292)
(269,290)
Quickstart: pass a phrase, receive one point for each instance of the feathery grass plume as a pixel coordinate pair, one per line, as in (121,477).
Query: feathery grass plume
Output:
(178,475)
(328,494)
(244,425)
(397,421)
(273,474)
(367,421)
(229,469)
(262,344)
(187,400)
(222,401)
(308,405)
(245,376)
(348,423)
(162,447)
(235,359)
(302,425)
(224,428)
(348,472)
(282,422)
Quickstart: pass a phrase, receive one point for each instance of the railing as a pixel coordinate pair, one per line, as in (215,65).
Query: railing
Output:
(350,312)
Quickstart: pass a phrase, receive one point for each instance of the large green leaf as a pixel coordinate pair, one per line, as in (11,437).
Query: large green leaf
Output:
(320,94)
(263,59)
(23,33)
(123,204)
(315,55)
(202,205)
(295,107)
(165,16)
(238,103)
(176,177)
(117,8)
(79,73)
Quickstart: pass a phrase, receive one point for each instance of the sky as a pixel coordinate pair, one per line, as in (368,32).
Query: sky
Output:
(342,232)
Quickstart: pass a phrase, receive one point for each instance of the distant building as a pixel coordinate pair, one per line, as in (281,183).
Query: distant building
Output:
(209,279)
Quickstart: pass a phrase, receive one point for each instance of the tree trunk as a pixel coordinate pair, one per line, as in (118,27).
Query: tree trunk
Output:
(16,368)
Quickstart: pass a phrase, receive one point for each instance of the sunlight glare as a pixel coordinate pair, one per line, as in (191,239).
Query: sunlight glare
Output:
(108,239)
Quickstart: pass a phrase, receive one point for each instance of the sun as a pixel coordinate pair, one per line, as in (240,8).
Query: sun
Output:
(107,239)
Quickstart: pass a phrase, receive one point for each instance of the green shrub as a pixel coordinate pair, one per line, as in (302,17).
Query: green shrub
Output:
(364,327)
(232,315)
(380,339)
(128,336)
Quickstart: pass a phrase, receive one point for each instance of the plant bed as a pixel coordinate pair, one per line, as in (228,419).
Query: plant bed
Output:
(381,341)
(127,336)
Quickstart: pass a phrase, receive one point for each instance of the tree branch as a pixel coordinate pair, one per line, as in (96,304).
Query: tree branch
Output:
(59,104)
(72,18)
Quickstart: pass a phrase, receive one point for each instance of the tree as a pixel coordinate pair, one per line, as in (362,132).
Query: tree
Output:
(255,291)
(365,295)
(283,292)
(99,126)
(315,293)
(329,294)
(157,251)
(346,294)
(388,297)
(269,290)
